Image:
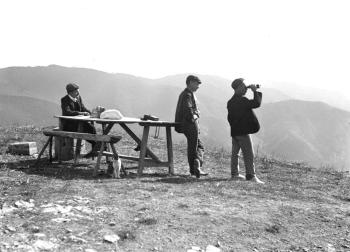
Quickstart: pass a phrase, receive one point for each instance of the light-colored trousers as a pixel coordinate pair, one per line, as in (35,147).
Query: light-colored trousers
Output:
(245,144)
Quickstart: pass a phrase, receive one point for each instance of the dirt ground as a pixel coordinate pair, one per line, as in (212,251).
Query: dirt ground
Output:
(61,207)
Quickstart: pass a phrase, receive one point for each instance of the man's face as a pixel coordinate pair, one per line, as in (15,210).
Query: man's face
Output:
(74,93)
(193,86)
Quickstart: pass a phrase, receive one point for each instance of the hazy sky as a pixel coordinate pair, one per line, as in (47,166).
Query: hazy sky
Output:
(299,41)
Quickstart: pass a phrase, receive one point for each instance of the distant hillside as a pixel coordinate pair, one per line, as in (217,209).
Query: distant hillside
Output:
(301,130)
(297,130)
(26,110)
(335,98)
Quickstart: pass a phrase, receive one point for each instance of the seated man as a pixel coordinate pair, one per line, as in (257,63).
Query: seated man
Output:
(72,105)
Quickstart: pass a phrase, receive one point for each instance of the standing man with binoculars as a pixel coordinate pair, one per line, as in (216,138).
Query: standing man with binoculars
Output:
(243,122)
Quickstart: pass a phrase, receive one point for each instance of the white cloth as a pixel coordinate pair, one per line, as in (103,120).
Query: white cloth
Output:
(111,114)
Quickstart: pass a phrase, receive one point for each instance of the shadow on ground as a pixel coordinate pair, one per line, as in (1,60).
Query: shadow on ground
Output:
(84,170)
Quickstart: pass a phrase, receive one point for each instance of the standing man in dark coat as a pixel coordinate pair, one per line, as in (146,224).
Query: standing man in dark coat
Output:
(72,105)
(187,115)
(243,122)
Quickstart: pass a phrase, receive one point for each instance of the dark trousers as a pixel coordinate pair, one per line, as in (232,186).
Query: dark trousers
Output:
(195,148)
(69,125)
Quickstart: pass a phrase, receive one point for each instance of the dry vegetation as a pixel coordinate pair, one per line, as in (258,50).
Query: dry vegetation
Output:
(62,207)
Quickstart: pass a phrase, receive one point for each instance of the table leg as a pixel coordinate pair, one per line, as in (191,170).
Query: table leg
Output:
(60,140)
(78,143)
(97,166)
(105,131)
(50,149)
(169,143)
(138,141)
(143,150)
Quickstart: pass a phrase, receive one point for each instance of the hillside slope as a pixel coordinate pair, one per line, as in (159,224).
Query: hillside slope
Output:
(22,110)
(301,130)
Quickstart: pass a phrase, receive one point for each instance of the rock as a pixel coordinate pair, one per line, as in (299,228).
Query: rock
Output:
(330,248)
(111,238)
(25,248)
(61,220)
(6,209)
(44,245)
(75,239)
(39,235)
(35,229)
(68,230)
(10,228)
(194,249)
(5,244)
(211,248)
(24,204)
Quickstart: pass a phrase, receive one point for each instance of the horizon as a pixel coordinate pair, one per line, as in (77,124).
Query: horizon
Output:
(302,43)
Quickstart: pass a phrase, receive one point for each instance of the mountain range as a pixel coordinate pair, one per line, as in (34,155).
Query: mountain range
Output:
(293,129)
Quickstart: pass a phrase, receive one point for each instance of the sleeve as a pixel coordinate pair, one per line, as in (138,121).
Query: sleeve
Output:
(83,108)
(66,109)
(255,102)
(189,108)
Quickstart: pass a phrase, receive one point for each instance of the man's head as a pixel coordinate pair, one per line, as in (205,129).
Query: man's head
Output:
(72,89)
(239,86)
(193,83)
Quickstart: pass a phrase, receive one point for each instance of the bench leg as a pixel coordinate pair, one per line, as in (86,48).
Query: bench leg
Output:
(97,166)
(43,149)
(50,149)
(77,150)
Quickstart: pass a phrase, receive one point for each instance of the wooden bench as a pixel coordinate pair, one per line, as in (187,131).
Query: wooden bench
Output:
(103,139)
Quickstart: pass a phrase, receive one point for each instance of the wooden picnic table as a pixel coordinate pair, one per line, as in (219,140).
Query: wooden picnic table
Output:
(151,160)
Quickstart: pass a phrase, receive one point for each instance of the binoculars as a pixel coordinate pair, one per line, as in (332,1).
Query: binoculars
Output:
(256,85)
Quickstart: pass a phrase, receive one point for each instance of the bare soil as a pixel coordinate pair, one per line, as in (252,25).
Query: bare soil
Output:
(61,205)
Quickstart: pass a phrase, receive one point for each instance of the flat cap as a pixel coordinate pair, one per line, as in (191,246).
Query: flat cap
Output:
(236,83)
(192,78)
(71,87)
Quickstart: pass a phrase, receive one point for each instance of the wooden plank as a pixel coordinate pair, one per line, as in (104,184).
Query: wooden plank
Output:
(85,136)
(154,164)
(123,120)
(110,154)
(169,143)
(138,141)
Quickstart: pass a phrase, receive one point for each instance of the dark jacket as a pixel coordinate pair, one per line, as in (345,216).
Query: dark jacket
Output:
(186,110)
(71,108)
(241,116)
